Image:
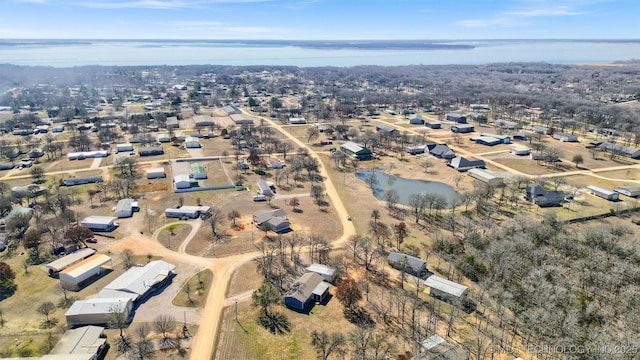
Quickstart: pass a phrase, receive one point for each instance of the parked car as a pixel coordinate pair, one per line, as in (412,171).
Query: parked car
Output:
(91,240)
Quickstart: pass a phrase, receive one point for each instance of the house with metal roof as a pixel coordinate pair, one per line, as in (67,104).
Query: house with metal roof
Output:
(565,137)
(507,124)
(98,311)
(151,150)
(264,188)
(182,181)
(446,290)
(81,181)
(198,171)
(410,264)
(137,282)
(192,142)
(191,212)
(79,274)
(172,122)
(242,119)
(297,120)
(83,343)
(460,119)
(306,291)
(156,173)
(356,151)
(433,124)
(386,129)
(203,120)
(231,110)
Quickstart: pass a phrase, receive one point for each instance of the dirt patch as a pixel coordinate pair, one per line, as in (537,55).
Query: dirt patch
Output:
(150,187)
(172,236)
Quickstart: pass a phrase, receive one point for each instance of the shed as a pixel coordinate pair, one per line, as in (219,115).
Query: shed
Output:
(62,263)
(433,124)
(541,130)
(198,171)
(182,181)
(446,290)
(416,119)
(164,138)
(125,208)
(460,119)
(520,150)
(462,129)
(603,193)
(87,340)
(192,142)
(436,348)
(627,151)
(97,311)
(80,273)
(386,129)
(486,177)
(327,272)
(99,223)
(172,123)
(124,147)
(297,120)
(151,150)
(190,212)
(628,190)
(306,290)
(411,264)
(156,173)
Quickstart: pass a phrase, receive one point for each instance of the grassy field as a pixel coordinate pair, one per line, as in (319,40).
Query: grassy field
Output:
(199,286)
(245,278)
(171,237)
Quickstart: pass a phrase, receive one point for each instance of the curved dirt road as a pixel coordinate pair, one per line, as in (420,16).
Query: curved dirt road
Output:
(223,268)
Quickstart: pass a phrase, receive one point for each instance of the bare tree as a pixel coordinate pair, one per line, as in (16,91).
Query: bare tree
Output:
(164,324)
(215,220)
(127,258)
(326,344)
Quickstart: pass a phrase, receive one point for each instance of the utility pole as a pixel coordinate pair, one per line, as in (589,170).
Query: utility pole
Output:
(236,300)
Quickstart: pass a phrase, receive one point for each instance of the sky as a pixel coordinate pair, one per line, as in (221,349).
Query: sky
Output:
(319,19)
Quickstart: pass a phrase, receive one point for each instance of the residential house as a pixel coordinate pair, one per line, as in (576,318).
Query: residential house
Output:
(99,223)
(297,120)
(151,150)
(83,343)
(433,124)
(156,173)
(463,164)
(265,188)
(183,181)
(79,274)
(172,122)
(274,220)
(410,264)
(306,291)
(457,118)
(382,128)
(442,151)
(543,197)
(628,190)
(565,137)
(486,177)
(198,171)
(192,142)
(618,149)
(190,212)
(507,124)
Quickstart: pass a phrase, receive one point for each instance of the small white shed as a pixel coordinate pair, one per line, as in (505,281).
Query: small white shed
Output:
(156,173)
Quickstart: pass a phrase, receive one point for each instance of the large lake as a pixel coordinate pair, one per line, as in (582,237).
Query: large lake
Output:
(404,187)
(192,52)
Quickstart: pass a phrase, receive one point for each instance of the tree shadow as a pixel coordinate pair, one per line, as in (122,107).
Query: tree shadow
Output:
(277,323)
(359,317)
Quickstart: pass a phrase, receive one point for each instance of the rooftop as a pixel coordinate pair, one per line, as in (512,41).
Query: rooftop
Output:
(83,340)
(65,261)
(85,265)
(445,285)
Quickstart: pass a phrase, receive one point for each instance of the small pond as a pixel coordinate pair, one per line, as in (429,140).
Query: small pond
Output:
(404,187)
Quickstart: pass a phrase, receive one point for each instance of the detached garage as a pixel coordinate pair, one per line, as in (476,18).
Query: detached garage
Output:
(77,275)
(126,207)
(99,223)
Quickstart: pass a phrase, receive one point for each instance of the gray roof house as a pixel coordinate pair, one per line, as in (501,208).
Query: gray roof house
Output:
(627,151)
(442,151)
(275,220)
(543,197)
(414,266)
(463,164)
(416,119)
(306,290)
(137,282)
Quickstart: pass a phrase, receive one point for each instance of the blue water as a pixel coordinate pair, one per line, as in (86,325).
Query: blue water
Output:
(305,54)
(404,187)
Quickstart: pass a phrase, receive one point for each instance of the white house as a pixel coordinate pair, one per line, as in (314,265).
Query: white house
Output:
(603,193)
(565,137)
(125,208)
(191,212)
(124,147)
(628,190)
(297,120)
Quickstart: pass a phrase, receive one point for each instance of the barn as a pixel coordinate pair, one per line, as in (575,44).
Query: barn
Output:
(99,223)
(446,290)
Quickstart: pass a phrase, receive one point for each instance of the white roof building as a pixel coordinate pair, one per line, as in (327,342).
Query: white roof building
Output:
(136,282)
(327,272)
(182,181)
(68,260)
(445,289)
(156,173)
(99,223)
(78,274)
(97,311)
